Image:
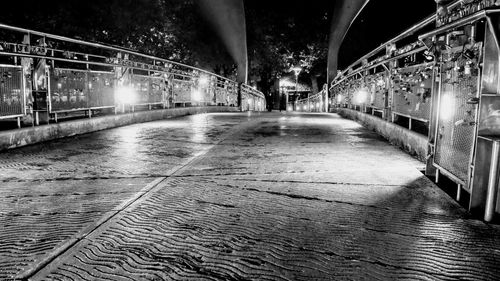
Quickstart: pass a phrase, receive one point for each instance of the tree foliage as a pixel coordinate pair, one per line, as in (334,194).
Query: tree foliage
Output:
(286,34)
(169,29)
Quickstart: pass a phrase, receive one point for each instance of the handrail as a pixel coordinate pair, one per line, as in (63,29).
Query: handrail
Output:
(311,97)
(58,51)
(102,46)
(402,35)
(406,33)
(471,18)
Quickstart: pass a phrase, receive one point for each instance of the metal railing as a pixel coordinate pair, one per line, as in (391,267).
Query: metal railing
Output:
(252,99)
(439,78)
(396,79)
(312,103)
(47,74)
(393,81)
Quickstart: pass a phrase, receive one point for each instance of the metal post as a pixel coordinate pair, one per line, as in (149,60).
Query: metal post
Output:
(296,85)
(240,98)
(489,209)
(308,103)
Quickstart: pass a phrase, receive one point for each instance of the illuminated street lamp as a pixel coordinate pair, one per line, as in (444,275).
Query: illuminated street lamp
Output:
(296,70)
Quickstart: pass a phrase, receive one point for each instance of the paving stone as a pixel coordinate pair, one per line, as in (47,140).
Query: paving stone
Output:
(240,197)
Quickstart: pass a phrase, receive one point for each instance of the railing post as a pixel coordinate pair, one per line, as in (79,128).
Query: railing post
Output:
(27,64)
(240,92)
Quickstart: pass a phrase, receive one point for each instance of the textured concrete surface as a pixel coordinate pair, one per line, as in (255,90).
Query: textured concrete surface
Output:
(32,135)
(414,143)
(233,197)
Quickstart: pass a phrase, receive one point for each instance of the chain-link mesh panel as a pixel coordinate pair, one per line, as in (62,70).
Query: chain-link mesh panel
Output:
(11,93)
(456,118)
(247,101)
(358,92)
(222,91)
(149,89)
(182,90)
(101,89)
(157,89)
(221,96)
(232,90)
(377,85)
(68,89)
(412,91)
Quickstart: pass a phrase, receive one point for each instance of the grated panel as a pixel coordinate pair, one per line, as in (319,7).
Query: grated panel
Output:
(149,89)
(377,85)
(11,94)
(101,89)
(68,89)
(182,90)
(456,118)
(412,91)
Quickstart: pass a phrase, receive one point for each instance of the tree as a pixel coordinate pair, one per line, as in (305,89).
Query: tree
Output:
(169,29)
(286,34)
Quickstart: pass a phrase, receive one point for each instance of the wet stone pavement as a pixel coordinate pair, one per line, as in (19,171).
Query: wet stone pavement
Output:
(233,196)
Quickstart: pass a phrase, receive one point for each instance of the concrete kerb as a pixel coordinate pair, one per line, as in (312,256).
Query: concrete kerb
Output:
(412,142)
(32,135)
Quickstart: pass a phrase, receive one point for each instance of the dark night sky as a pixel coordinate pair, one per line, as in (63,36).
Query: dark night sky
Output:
(380,21)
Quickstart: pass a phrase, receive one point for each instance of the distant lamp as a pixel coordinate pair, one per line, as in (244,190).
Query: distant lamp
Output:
(296,70)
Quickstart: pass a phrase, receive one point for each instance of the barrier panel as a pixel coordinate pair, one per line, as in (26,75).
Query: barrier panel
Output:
(150,89)
(378,89)
(412,91)
(101,89)
(11,91)
(456,123)
(68,90)
(182,90)
(252,99)
(222,93)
